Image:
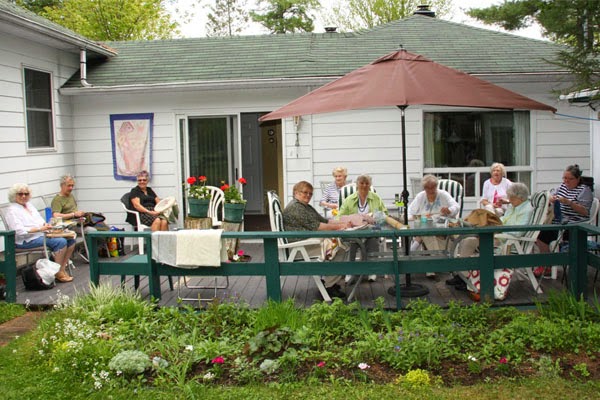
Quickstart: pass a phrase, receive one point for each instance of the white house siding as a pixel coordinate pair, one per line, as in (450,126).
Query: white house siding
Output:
(39,169)
(98,190)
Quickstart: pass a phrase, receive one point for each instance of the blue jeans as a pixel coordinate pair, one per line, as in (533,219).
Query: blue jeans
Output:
(55,244)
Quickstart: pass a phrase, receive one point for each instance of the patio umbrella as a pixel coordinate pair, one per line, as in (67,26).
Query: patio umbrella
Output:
(401,79)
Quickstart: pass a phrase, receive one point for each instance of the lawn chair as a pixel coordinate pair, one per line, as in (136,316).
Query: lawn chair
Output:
(126,203)
(216,206)
(455,190)
(36,252)
(526,244)
(292,251)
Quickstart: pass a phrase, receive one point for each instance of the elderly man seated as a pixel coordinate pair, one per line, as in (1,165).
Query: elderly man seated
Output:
(518,213)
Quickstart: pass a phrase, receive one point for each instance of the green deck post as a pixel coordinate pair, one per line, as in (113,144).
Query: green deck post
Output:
(578,261)
(9,266)
(272,269)
(92,245)
(486,266)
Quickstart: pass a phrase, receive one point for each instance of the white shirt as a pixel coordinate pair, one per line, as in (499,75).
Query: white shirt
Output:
(421,206)
(500,189)
(21,221)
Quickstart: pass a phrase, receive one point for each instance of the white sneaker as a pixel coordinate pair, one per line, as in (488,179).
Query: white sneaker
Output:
(350,279)
(372,278)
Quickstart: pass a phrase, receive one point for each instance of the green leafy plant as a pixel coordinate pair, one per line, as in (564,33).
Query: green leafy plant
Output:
(232,194)
(197,188)
(130,362)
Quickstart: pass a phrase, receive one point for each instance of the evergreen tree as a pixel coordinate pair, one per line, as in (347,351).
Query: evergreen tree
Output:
(575,23)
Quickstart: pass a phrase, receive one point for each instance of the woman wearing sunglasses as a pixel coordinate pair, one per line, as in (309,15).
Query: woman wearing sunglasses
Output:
(143,199)
(29,227)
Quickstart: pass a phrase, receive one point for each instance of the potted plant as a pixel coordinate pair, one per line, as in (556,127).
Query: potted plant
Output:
(198,197)
(234,202)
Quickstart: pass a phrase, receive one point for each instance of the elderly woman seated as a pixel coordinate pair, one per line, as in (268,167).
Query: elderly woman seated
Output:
(494,190)
(30,227)
(431,202)
(299,215)
(363,202)
(518,213)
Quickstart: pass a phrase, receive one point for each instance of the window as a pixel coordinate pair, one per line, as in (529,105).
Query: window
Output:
(460,145)
(208,146)
(38,106)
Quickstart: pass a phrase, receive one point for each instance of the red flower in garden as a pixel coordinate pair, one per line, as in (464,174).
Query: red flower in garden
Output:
(191,180)
(242,181)
(321,364)
(503,360)
(224,187)
(218,360)
(202,178)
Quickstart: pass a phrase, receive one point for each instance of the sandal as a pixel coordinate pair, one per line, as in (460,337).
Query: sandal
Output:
(63,277)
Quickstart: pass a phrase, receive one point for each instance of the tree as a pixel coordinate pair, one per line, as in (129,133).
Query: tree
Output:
(571,22)
(283,16)
(352,15)
(226,18)
(109,19)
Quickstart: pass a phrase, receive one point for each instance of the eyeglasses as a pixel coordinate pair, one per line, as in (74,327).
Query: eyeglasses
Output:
(307,193)
(23,194)
(142,180)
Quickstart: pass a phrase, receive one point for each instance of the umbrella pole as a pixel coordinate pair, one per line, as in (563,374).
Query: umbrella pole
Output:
(409,289)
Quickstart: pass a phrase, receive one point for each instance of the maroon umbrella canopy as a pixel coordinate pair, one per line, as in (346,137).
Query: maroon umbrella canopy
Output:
(402,79)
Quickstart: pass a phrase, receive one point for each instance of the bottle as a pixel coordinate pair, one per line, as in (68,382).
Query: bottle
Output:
(113,248)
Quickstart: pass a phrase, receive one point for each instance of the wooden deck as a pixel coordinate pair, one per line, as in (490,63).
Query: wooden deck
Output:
(253,289)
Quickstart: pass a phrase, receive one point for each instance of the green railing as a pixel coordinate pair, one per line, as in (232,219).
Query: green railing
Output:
(397,264)
(8,266)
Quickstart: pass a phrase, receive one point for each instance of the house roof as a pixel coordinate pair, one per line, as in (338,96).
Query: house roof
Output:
(18,21)
(285,57)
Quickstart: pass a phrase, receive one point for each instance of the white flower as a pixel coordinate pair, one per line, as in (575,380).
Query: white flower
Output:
(189,347)
(471,358)
(97,385)
(236,257)
(208,376)
(15,351)
(364,366)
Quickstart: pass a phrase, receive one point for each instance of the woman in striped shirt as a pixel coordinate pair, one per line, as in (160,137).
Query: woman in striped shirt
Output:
(331,194)
(574,202)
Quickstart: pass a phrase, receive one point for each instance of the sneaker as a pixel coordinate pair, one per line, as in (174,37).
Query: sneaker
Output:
(350,279)
(455,280)
(372,278)
(336,291)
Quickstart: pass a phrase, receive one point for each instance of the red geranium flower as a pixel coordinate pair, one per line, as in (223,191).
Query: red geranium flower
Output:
(191,180)
(242,181)
(224,187)
(202,178)
(503,360)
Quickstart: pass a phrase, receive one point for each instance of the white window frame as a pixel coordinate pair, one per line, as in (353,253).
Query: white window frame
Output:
(26,109)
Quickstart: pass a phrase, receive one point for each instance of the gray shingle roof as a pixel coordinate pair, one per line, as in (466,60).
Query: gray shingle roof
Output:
(473,50)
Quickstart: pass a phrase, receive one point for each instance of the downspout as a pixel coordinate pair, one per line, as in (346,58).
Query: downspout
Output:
(83,68)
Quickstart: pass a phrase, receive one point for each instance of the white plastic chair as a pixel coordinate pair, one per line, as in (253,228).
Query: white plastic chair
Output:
(455,190)
(216,206)
(526,244)
(290,251)
(125,202)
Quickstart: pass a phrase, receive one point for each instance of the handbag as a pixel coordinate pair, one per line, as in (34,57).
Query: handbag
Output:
(482,217)
(91,219)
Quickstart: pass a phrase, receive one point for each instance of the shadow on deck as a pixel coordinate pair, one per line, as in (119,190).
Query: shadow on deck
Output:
(301,288)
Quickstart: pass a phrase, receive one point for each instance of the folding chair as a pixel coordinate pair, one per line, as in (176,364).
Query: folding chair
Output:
(290,251)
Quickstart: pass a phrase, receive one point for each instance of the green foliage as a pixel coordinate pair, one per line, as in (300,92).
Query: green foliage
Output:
(547,367)
(571,22)
(109,19)
(353,15)
(130,362)
(286,16)
(279,314)
(9,311)
(226,18)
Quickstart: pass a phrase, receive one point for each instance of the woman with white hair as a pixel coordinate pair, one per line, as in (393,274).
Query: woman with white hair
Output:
(494,198)
(29,227)
(331,194)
